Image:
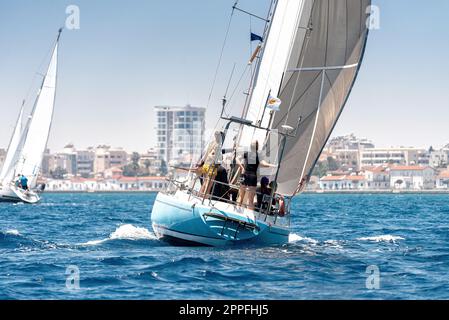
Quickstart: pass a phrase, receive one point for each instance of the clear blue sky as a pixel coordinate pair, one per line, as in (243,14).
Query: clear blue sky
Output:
(131,55)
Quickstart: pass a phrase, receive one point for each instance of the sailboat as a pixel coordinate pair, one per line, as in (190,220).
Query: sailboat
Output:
(308,62)
(28,143)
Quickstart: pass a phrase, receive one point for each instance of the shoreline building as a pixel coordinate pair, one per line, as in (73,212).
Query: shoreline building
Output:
(152,163)
(412,177)
(394,156)
(61,163)
(378,178)
(85,162)
(442,181)
(107,157)
(440,158)
(343,182)
(349,142)
(179,133)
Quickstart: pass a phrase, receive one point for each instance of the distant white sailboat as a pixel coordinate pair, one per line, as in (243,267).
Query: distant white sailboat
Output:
(28,144)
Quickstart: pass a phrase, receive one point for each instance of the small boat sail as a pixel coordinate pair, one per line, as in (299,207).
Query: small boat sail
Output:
(18,178)
(308,62)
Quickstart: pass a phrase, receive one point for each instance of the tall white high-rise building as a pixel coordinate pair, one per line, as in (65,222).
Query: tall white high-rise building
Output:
(179,133)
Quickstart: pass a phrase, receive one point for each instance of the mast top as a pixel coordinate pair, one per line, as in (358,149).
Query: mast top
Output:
(59,33)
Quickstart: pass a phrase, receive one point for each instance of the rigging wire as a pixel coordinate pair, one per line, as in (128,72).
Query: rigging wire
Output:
(38,74)
(231,97)
(221,55)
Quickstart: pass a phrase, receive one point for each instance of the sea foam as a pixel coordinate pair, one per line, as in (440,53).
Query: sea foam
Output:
(12,232)
(293,237)
(383,238)
(125,232)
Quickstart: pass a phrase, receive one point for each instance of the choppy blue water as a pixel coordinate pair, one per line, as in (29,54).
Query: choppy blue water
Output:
(336,237)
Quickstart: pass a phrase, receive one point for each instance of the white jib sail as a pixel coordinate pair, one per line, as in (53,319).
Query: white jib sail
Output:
(14,143)
(35,143)
(281,35)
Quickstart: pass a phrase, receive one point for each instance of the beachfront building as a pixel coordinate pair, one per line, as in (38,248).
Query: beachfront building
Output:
(179,133)
(348,142)
(142,183)
(377,178)
(151,162)
(63,162)
(85,162)
(412,177)
(107,157)
(343,182)
(439,158)
(396,156)
(442,180)
(79,184)
(116,184)
(348,158)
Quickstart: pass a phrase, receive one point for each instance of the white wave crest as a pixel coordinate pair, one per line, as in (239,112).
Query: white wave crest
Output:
(125,232)
(383,238)
(293,237)
(13,232)
(130,232)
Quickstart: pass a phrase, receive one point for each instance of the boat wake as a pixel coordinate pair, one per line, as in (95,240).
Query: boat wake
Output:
(382,238)
(12,232)
(296,239)
(13,239)
(293,237)
(125,232)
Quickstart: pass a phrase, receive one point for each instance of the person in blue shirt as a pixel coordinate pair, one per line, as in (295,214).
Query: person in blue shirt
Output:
(24,182)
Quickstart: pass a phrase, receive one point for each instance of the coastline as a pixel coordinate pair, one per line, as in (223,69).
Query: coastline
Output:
(378,192)
(101,192)
(305,192)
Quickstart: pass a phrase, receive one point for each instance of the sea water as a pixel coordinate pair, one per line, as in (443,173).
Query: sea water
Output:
(101,246)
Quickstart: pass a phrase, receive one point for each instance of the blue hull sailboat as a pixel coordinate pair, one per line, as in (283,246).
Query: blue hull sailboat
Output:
(305,67)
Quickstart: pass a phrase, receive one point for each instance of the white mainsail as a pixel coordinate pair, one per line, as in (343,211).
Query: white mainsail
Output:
(320,74)
(12,148)
(35,136)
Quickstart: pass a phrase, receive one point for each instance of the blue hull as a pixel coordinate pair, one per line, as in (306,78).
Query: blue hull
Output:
(184,221)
